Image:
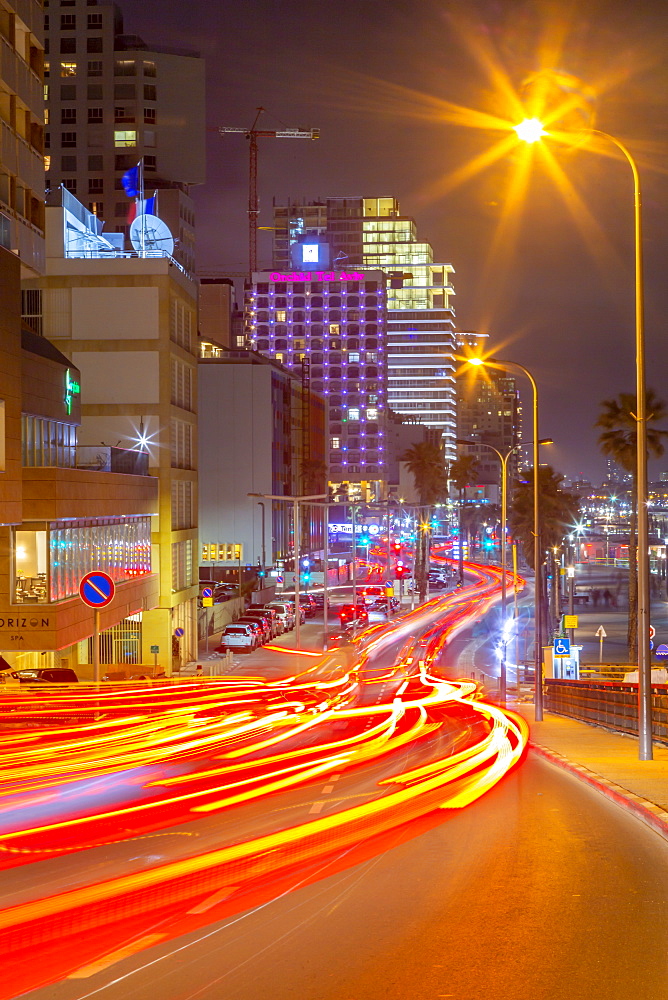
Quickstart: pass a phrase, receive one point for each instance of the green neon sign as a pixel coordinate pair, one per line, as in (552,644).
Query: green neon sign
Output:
(72,388)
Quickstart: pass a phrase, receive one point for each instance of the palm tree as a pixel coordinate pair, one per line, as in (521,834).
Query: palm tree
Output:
(618,440)
(559,509)
(425,462)
(462,473)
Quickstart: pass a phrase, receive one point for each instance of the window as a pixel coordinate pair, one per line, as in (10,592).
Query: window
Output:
(124,91)
(280,356)
(94,116)
(182,565)
(68,92)
(353,413)
(125,67)
(122,114)
(68,163)
(149,116)
(150,163)
(68,22)
(96,162)
(149,69)
(68,139)
(335,443)
(94,44)
(354,356)
(95,67)
(71,184)
(281,315)
(127,137)
(97,208)
(181,385)
(121,209)
(182,505)
(95,185)
(68,69)
(123,161)
(95,20)
(68,45)
(334,329)
(372,413)
(181,444)
(149,92)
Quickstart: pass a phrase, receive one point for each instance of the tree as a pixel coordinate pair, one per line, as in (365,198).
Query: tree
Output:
(558,511)
(463,471)
(618,440)
(425,462)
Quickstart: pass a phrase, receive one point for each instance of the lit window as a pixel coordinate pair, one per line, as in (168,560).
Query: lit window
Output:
(354,356)
(281,315)
(280,356)
(372,413)
(353,413)
(336,443)
(335,328)
(68,69)
(125,138)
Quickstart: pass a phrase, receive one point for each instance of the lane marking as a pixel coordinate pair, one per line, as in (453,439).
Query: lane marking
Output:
(214,898)
(327,789)
(316,807)
(116,956)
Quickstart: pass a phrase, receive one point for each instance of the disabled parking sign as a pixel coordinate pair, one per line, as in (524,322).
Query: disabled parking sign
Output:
(562,646)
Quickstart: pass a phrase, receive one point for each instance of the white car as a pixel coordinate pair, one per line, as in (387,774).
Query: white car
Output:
(239,637)
(285,613)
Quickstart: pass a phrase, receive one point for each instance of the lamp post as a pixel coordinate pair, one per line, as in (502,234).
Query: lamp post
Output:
(504,518)
(264,551)
(531,130)
(295,501)
(538,654)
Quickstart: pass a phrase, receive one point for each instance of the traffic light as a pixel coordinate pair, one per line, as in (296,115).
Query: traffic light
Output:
(400,570)
(396,548)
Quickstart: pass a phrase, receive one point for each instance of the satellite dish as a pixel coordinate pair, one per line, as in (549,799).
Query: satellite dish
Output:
(155,234)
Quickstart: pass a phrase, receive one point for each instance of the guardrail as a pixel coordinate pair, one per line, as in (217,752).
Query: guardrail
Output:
(610,704)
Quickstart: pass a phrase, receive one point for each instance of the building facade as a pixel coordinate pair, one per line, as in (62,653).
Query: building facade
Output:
(128,323)
(257,443)
(490,413)
(22,124)
(330,328)
(111,101)
(372,233)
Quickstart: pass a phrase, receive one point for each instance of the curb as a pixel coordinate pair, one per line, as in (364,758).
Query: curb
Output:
(647,812)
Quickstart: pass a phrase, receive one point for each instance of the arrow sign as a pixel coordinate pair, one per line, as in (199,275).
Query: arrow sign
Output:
(601,633)
(96,589)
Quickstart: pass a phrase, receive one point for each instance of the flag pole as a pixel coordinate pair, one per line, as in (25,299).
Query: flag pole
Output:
(142,206)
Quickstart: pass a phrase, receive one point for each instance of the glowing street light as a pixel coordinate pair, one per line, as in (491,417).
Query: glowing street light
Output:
(644,661)
(538,652)
(530,130)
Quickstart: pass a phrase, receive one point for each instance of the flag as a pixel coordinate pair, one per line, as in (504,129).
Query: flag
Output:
(130,181)
(139,207)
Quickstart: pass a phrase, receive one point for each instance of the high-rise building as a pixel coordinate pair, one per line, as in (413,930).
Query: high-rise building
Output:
(330,327)
(371,233)
(22,117)
(128,323)
(113,100)
(489,412)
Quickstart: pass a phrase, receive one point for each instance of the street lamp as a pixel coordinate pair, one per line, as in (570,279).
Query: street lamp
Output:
(504,517)
(538,654)
(529,128)
(295,501)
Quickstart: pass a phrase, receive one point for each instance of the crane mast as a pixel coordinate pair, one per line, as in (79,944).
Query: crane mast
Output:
(253,134)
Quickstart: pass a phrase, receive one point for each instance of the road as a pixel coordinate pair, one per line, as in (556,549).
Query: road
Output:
(542,889)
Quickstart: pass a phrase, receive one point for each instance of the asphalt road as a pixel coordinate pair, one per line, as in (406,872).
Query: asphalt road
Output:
(542,889)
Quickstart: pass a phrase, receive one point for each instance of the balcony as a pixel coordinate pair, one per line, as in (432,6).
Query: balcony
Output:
(51,493)
(108,459)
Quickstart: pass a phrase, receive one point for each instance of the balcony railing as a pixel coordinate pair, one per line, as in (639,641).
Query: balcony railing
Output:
(104,458)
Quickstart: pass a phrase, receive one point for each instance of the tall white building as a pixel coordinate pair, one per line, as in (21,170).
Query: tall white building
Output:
(113,100)
(372,234)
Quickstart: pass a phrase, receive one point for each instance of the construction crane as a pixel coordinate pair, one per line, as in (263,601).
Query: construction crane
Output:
(253,134)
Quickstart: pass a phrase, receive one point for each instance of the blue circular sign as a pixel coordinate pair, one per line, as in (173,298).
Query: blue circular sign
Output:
(179,632)
(207,592)
(96,589)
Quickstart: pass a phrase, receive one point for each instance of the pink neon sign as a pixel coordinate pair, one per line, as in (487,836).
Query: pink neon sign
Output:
(317,276)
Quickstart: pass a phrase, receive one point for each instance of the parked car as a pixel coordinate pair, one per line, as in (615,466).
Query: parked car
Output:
(284,612)
(318,597)
(308,604)
(277,627)
(263,628)
(240,637)
(46,675)
(353,613)
(263,619)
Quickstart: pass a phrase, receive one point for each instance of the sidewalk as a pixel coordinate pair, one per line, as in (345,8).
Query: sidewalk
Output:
(608,761)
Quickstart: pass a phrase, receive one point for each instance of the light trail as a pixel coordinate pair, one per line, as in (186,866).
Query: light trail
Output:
(104,768)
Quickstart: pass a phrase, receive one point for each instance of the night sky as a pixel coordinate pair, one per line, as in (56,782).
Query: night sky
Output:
(549,275)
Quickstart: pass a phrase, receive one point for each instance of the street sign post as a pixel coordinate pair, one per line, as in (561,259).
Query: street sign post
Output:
(155,650)
(96,590)
(602,634)
(562,646)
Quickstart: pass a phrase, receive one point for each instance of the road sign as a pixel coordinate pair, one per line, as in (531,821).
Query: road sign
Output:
(570,621)
(207,592)
(562,646)
(601,633)
(96,589)
(662,650)
(155,649)
(179,632)
(652,632)
(207,602)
